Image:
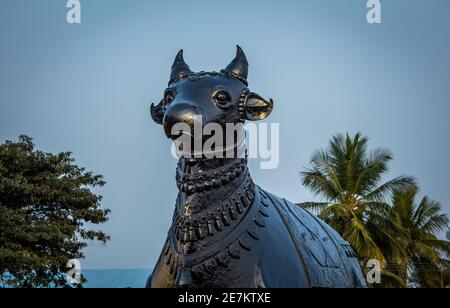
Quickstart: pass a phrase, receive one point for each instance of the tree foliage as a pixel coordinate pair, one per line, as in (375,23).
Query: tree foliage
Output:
(46,200)
(379,220)
(348,177)
(426,256)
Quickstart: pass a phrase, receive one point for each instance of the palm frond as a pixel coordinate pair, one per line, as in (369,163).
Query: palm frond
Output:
(382,217)
(334,212)
(321,162)
(428,216)
(436,223)
(374,167)
(319,184)
(314,207)
(427,252)
(383,192)
(394,277)
(358,236)
(442,246)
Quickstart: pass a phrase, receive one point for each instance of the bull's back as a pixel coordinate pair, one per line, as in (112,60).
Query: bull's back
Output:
(326,260)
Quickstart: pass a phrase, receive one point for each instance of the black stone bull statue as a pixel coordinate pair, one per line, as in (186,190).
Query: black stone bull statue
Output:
(227,232)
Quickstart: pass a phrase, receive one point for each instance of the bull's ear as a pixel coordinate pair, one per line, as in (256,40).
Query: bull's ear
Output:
(257,108)
(157,112)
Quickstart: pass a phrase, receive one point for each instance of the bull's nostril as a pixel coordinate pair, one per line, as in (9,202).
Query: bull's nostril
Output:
(180,114)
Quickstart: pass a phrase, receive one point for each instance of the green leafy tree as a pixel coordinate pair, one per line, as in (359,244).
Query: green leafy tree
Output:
(348,178)
(426,258)
(45,203)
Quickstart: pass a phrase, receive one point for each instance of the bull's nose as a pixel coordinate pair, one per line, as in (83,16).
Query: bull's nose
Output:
(181,113)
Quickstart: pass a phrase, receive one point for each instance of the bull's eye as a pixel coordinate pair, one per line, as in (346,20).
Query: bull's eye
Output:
(169,96)
(222,98)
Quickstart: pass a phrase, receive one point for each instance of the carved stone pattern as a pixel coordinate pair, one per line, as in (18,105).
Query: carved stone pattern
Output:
(197,76)
(241,104)
(242,244)
(196,227)
(199,183)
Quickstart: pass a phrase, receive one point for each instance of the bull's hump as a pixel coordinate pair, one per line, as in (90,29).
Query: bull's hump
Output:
(328,260)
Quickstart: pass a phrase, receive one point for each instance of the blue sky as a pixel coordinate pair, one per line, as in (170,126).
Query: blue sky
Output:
(87,88)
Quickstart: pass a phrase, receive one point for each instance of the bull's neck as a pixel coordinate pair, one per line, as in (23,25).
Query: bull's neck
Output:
(214,197)
(205,183)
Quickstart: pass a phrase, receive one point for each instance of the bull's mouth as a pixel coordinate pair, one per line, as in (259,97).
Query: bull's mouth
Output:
(188,145)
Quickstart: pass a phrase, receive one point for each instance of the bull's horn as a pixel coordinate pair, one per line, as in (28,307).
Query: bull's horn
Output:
(239,66)
(179,67)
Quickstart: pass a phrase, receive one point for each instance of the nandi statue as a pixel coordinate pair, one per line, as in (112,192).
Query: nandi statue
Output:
(227,232)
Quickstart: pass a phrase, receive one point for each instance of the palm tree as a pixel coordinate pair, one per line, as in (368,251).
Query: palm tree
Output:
(347,177)
(426,255)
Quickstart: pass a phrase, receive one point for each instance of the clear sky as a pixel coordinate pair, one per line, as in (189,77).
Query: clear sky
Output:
(87,88)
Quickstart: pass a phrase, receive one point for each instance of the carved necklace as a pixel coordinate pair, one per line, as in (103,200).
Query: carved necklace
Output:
(191,183)
(231,246)
(229,219)
(199,226)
